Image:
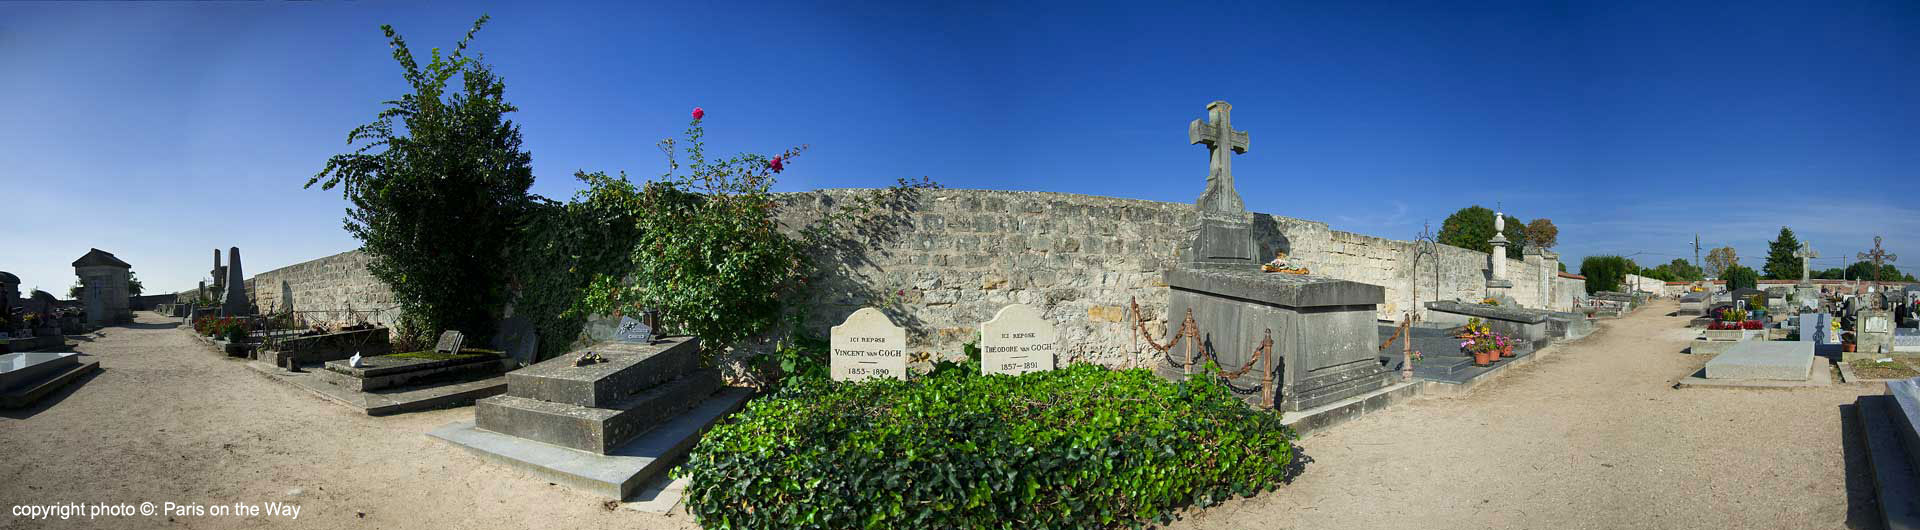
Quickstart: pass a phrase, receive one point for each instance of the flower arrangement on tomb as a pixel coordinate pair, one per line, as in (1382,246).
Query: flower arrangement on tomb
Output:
(1489,301)
(1282,265)
(1483,342)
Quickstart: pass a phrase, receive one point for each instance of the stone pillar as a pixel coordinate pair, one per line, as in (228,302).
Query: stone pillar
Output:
(1498,285)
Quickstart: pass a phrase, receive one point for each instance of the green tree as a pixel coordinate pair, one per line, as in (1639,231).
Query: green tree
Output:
(74,291)
(1471,227)
(1741,277)
(1864,270)
(1835,273)
(133,284)
(1781,263)
(1542,234)
(1678,270)
(1604,273)
(1721,259)
(437,188)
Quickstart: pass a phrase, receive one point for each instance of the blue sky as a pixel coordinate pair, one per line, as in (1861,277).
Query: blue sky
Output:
(159,131)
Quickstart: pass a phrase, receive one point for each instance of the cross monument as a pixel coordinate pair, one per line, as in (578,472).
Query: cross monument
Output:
(1222,143)
(1806,255)
(1879,258)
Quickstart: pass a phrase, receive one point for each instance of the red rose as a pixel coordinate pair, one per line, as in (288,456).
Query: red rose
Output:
(699,113)
(776,165)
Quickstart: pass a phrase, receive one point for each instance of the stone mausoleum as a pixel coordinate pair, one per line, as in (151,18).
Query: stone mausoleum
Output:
(103,287)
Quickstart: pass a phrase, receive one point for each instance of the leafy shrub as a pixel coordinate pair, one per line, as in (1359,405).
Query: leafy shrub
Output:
(1739,277)
(1604,273)
(1080,447)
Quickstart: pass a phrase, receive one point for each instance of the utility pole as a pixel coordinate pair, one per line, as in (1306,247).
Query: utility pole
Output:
(1696,252)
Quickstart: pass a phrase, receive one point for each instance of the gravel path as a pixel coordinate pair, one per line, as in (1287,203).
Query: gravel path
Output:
(168,420)
(1594,436)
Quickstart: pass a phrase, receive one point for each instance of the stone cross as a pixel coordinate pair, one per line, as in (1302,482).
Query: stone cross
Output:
(1879,258)
(1806,254)
(1222,143)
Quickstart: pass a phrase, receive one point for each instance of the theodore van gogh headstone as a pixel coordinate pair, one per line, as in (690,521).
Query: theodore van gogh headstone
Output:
(868,345)
(1018,340)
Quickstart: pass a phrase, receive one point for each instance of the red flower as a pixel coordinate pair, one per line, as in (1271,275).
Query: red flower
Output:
(699,113)
(776,165)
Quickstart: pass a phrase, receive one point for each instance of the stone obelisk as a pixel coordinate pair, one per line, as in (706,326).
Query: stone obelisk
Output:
(236,302)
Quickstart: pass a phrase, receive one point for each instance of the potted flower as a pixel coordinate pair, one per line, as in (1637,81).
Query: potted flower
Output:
(1506,346)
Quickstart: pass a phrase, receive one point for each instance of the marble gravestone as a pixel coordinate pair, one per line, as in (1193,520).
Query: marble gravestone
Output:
(1018,340)
(868,345)
(632,331)
(1324,341)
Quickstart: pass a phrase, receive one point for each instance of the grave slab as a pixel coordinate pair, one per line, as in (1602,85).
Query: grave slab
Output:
(616,474)
(386,402)
(1755,359)
(629,367)
(26,377)
(1887,430)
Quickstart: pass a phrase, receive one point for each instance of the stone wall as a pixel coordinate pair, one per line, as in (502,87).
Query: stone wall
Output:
(1635,282)
(952,258)
(335,288)
(957,256)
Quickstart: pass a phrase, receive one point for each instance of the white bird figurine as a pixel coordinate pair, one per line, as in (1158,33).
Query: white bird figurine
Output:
(354,361)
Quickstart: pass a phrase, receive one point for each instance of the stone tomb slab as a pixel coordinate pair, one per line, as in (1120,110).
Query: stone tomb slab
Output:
(868,345)
(1769,360)
(1529,325)
(25,377)
(629,367)
(390,371)
(1325,343)
(1018,340)
(616,474)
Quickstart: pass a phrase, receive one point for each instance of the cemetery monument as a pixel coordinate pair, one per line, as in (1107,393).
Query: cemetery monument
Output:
(103,287)
(1322,329)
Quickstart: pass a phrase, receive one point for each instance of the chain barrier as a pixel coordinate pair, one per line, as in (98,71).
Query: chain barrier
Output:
(1190,330)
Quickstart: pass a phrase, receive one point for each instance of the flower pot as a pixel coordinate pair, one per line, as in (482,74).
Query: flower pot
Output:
(1848,347)
(1481,358)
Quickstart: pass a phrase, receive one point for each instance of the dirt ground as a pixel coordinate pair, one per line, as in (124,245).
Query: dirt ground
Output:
(1594,436)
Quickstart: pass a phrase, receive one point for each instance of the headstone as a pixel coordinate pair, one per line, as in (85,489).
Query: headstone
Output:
(1873,331)
(1018,340)
(633,331)
(1223,235)
(868,345)
(450,342)
(1813,327)
(286,297)
(236,303)
(517,336)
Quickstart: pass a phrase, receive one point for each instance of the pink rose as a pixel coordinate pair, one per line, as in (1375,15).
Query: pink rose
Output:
(699,113)
(776,165)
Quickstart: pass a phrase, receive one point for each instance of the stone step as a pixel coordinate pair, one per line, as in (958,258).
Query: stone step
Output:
(630,368)
(615,474)
(1896,479)
(597,430)
(22,396)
